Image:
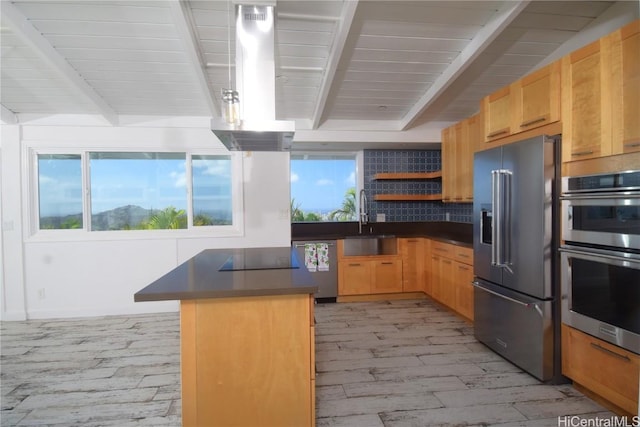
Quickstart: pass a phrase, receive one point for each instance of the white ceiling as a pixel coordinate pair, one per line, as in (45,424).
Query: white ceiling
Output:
(352,74)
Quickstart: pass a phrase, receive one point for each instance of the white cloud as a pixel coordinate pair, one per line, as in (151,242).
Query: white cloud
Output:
(351,179)
(44,180)
(324,181)
(179,179)
(213,167)
(294,177)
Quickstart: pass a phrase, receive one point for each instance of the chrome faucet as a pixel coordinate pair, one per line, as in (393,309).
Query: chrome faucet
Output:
(363,217)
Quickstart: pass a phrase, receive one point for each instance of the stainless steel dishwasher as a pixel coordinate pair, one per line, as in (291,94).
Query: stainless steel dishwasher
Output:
(327,280)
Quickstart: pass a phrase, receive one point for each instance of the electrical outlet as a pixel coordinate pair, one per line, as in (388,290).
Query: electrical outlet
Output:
(447,216)
(41,294)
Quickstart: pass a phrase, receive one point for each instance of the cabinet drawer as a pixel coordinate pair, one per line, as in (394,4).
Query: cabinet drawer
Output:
(609,371)
(463,255)
(442,249)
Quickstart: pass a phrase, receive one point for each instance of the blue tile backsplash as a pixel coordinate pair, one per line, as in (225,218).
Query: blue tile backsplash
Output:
(380,161)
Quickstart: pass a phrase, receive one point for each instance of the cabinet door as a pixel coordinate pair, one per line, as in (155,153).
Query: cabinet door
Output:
(605,369)
(386,276)
(464,289)
(426,272)
(448,152)
(464,162)
(497,109)
(412,252)
(586,103)
(538,98)
(626,88)
(354,278)
(435,279)
(448,291)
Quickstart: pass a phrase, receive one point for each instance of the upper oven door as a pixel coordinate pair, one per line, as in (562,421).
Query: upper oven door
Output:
(610,219)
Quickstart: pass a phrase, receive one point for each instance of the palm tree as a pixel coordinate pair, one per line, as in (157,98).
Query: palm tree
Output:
(296,213)
(168,218)
(348,210)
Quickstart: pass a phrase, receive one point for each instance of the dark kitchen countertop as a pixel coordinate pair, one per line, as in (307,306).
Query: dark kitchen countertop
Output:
(199,277)
(456,233)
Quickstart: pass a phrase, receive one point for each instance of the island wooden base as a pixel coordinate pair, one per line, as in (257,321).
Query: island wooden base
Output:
(248,361)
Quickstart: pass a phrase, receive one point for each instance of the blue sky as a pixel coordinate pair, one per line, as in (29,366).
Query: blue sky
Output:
(320,185)
(316,185)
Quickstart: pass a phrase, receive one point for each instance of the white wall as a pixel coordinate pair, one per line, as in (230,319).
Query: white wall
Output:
(97,273)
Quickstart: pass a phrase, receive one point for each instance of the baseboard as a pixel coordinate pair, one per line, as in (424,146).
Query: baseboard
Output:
(382,297)
(138,308)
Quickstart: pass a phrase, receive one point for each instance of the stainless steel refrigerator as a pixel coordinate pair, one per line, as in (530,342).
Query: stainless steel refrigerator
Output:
(515,243)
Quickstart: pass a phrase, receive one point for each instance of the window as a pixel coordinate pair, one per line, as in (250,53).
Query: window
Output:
(137,191)
(323,188)
(212,202)
(60,191)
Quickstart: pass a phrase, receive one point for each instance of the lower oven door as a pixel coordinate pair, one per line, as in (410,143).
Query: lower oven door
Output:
(516,326)
(601,294)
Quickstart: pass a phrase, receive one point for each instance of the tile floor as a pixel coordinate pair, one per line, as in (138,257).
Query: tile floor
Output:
(390,363)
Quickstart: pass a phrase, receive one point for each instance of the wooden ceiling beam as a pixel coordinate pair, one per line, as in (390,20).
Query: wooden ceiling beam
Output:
(21,27)
(7,116)
(344,26)
(503,17)
(183,20)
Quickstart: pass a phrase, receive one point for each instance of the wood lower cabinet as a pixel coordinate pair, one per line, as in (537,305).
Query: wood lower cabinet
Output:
(412,253)
(451,274)
(354,277)
(464,289)
(248,361)
(605,369)
(370,276)
(386,276)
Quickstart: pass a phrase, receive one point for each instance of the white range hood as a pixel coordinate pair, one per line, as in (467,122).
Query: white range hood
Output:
(255,82)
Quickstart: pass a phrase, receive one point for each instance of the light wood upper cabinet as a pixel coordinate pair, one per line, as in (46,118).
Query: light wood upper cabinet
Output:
(412,253)
(586,102)
(625,46)
(448,163)
(497,109)
(457,161)
(537,98)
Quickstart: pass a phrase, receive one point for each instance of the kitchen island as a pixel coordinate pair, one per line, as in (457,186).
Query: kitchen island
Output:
(246,336)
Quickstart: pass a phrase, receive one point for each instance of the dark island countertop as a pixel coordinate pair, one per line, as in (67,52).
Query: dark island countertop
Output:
(250,272)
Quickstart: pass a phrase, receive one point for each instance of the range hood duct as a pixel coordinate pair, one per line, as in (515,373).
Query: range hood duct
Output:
(256,84)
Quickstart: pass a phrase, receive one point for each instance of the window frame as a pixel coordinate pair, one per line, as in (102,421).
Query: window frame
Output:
(356,156)
(34,233)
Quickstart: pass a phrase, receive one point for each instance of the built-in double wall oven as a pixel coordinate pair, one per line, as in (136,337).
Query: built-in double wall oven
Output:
(600,256)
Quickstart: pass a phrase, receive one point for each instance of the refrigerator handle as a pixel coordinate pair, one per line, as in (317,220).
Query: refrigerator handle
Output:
(532,305)
(505,244)
(495,218)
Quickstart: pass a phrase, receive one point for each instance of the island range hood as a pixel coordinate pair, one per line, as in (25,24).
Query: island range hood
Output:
(255,82)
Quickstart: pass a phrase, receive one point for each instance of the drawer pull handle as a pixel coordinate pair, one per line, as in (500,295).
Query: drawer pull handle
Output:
(463,268)
(386,263)
(354,265)
(441,249)
(533,121)
(498,132)
(463,256)
(446,261)
(632,144)
(613,353)
(412,240)
(582,153)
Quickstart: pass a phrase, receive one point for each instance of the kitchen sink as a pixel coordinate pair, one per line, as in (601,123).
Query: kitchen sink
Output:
(370,245)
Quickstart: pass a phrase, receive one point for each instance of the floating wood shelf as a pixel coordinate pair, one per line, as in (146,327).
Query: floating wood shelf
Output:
(408,175)
(407,197)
